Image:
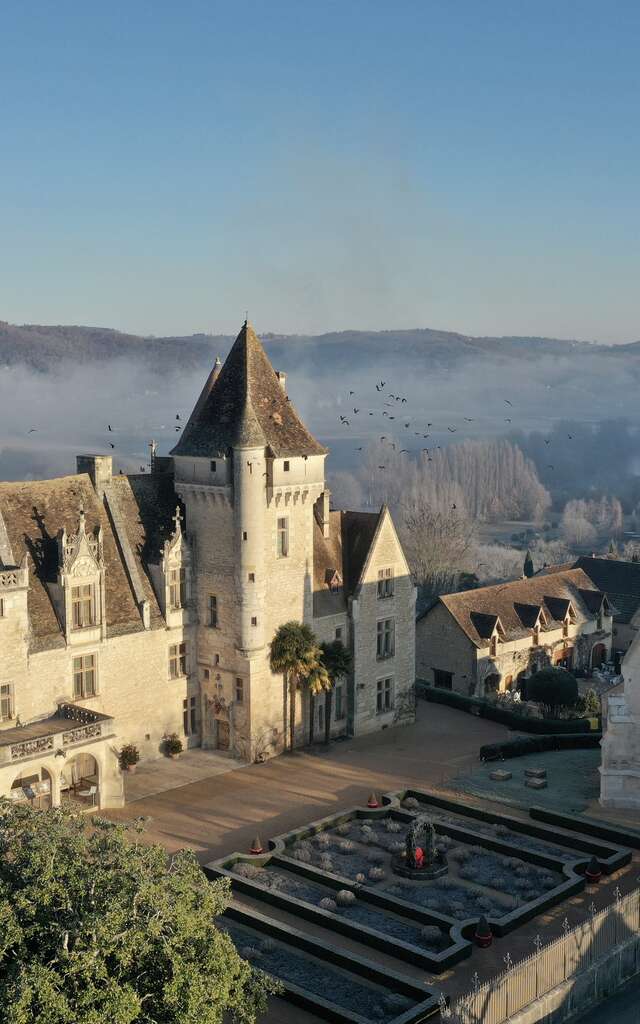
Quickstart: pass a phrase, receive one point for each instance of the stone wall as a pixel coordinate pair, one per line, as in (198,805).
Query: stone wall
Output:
(441,644)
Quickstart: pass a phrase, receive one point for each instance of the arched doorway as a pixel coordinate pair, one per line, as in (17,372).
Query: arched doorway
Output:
(80,781)
(598,655)
(508,683)
(33,787)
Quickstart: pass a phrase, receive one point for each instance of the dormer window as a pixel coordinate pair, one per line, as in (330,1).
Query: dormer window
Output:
(385,583)
(82,606)
(177,588)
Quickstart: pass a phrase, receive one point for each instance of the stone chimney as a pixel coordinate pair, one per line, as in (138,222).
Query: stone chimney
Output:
(99,468)
(282,377)
(217,366)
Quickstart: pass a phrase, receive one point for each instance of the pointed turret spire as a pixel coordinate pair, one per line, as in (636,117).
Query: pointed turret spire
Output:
(243,406)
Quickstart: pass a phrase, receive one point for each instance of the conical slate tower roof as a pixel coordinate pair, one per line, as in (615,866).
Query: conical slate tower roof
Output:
(244,406)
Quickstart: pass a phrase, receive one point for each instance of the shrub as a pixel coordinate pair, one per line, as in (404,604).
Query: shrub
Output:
(430,933)
(344,828)
(346,846)
(345,898)
(393,826)
(376,874)
(301,854)
(322,841)
(553,687)
(326,903)
(251,871)
(410,803)
(326,862)
(128,755)
(172,744)
(360,878)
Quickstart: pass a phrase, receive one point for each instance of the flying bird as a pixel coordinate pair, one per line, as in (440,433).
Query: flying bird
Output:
(404,451)
(454,505)
(34,430)
(352,392)
(382,467)
(452,430)
(177,415)
(178,428)
(507,402)
(111,445)
(547,441)
(403,399)
(570,436)
(356,410)
(550,467)
(468,419)
(109,428)
(407,425)
(358,449)
(392,417)
(343,419)
(507,420)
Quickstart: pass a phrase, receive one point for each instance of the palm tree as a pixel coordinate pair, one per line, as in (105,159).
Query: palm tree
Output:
(337,661)
(317,682)
(293,652)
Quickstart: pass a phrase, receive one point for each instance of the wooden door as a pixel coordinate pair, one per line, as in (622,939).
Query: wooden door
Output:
(223,735)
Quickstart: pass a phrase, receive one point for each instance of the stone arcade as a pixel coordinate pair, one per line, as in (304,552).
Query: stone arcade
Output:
(132,607)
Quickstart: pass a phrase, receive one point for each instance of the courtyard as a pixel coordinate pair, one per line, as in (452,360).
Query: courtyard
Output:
(218,816)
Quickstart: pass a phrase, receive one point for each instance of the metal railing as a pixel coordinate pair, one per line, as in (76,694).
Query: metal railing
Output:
(497,1000)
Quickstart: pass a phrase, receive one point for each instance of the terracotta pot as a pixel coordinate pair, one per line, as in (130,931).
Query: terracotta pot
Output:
(131,767)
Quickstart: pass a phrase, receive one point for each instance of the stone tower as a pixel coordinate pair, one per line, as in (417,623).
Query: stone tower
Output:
(249,473)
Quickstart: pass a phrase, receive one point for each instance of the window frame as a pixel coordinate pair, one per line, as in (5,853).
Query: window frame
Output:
(385,632)
(439,674)
(283,545)
(238,690)
(81,672)
(178,667)
(79,606)
(339,703)
(190,716)
(177,583)
(385,583)
(384,695)
(7,700)
(212,610)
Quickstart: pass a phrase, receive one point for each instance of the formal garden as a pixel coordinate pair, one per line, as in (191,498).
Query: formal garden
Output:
(420,878)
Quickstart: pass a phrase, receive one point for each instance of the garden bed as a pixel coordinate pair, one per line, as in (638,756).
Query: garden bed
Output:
(334,985)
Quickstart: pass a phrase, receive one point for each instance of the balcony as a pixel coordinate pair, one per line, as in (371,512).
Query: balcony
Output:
(70,727)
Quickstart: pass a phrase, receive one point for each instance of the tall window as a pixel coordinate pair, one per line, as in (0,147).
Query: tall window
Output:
(565,628)
(177,660)
(189,716)
(384,695)
(339,703)
(283,537)
(213,465)
(338,632)
(177,588)
(6,702)
(386,638)
(239,690)
(82,605)
(385,583)
(1,607)
(213,611)
(84,676)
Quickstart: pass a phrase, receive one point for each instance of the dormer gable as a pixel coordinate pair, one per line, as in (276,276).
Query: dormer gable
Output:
(172,575)
(333,580)
(80,582)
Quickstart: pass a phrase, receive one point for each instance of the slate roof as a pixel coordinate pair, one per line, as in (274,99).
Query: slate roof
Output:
(245,406)
(33,513)
(619,579)
(517,604)
(350,538)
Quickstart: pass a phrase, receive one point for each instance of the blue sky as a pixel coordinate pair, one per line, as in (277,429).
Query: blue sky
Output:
(462,164)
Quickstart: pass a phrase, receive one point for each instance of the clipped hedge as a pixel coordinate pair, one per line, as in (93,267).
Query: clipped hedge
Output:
(487,709)
(538,744)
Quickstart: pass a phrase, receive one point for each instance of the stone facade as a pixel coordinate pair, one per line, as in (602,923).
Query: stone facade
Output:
(620,768)
(488,639)
(141,606)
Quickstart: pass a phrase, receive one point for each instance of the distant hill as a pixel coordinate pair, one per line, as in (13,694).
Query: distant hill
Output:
(43,348)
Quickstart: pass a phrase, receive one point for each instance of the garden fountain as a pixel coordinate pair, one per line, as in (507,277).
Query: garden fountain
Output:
(420,860)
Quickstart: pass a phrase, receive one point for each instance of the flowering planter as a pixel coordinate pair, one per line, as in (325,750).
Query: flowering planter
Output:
(130,767)
(483,936)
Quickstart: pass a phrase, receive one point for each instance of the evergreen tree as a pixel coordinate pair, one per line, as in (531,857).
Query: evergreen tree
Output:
(527,568)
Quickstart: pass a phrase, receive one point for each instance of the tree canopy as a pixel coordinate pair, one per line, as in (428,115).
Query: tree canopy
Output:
(97,926)
(554,687)
(294,652)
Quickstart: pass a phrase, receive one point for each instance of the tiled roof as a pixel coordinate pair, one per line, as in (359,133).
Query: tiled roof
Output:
(619,579)
(245,406)
(518,603)
(33,513)
(345,550)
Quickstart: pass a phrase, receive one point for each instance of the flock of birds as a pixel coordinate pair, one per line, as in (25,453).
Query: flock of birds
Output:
(391,401)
